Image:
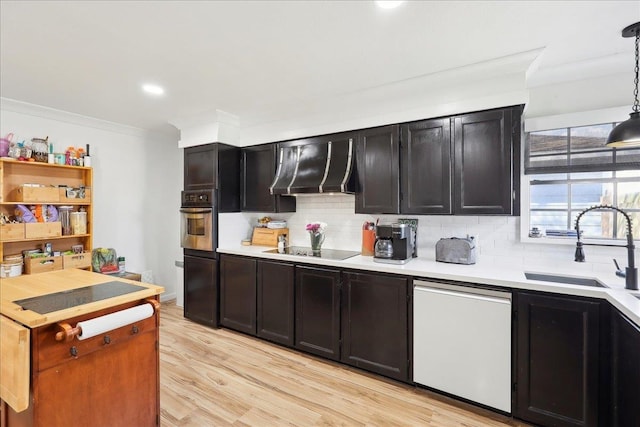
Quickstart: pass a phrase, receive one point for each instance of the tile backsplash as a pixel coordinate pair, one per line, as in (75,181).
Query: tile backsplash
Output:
(498,237)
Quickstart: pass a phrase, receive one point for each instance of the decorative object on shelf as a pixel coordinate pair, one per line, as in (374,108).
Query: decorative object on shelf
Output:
(627,133)
(316,234)
(4,145)
(40,149)
(535,232)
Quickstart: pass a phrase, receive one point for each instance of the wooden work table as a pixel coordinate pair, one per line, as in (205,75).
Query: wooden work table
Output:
(53,375)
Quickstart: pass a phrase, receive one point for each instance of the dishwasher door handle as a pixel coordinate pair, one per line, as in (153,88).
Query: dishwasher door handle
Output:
(473,293)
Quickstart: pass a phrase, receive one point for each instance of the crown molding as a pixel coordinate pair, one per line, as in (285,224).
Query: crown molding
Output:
(580,70)
(13,105)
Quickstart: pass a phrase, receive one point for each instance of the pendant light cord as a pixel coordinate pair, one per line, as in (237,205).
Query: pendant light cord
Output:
(636,104)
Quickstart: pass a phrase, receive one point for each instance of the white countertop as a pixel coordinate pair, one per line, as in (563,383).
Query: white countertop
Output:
(624,300)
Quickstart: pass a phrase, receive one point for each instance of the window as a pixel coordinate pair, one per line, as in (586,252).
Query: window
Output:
(578,149)
(570,170)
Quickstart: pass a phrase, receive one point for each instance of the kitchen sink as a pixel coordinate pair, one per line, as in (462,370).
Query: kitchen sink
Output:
(565,280)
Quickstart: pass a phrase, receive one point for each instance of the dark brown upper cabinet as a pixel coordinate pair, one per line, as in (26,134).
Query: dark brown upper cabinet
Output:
(258,169)
(426,171)
(214,166)
(377,159)
(486,162)
(462,165)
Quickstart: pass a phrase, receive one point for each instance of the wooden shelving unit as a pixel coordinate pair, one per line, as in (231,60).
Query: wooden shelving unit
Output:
(14,174)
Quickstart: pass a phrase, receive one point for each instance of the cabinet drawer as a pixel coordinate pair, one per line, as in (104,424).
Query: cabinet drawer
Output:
(82,260)
(52,352)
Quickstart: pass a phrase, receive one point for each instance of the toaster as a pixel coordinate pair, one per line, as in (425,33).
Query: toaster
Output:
(456,250)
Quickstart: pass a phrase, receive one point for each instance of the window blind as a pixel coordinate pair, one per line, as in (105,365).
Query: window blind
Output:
(576,149)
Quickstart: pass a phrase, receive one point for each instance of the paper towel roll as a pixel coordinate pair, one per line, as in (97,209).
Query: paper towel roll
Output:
(91,328)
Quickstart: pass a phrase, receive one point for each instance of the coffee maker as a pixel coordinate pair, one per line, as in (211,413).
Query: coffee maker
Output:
(395,243)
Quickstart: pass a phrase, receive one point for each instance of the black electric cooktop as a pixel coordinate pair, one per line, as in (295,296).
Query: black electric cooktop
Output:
(334,254)
(66,299)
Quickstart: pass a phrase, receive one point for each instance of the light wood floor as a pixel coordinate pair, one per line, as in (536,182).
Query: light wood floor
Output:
(217,377)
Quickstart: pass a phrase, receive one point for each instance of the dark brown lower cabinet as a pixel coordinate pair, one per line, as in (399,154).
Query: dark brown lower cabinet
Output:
(238,293)
(375,324)
(625,373)
(275,320)
(318,311)
(557,360)
(201,290)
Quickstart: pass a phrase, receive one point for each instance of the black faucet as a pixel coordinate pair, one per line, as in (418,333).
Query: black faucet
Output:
(631,272)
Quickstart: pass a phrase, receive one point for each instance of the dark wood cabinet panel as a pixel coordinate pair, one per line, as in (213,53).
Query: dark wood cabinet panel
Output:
(238,293)
(483,157)
(201,290)
(275,320)
(317,296)
(426,167)
(258,169)
(378,169)
(375,330)
(625,371)
(199,167)
(557,360)
(214,166)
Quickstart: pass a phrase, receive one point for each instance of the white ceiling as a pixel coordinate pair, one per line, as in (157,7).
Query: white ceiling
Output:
(261,60)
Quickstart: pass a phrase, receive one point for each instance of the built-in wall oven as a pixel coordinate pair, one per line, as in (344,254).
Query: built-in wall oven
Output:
(197,221)
(198,238)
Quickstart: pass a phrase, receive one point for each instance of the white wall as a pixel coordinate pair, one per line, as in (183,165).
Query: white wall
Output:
(137,178)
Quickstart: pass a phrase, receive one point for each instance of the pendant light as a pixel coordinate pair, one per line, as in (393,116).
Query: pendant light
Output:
(627,133)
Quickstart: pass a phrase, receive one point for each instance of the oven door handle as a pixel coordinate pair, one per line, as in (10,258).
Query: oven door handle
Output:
(196,210)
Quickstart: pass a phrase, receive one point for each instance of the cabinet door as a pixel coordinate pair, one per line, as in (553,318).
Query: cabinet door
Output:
(483,163)
(238,293)
(258,171)
(625,357)
(557,360)
(377,155)
(201,290)
(227,170)
(275,302)
(375,330)
(199,167)
(317,297)
(426,167)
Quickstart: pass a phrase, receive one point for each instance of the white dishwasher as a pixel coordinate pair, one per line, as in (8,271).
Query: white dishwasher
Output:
(462,342)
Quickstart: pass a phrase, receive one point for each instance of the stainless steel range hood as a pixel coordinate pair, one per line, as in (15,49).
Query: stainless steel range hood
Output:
(315,166)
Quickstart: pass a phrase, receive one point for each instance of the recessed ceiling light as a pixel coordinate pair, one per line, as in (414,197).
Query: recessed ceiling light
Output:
(153,89)
(389,4)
